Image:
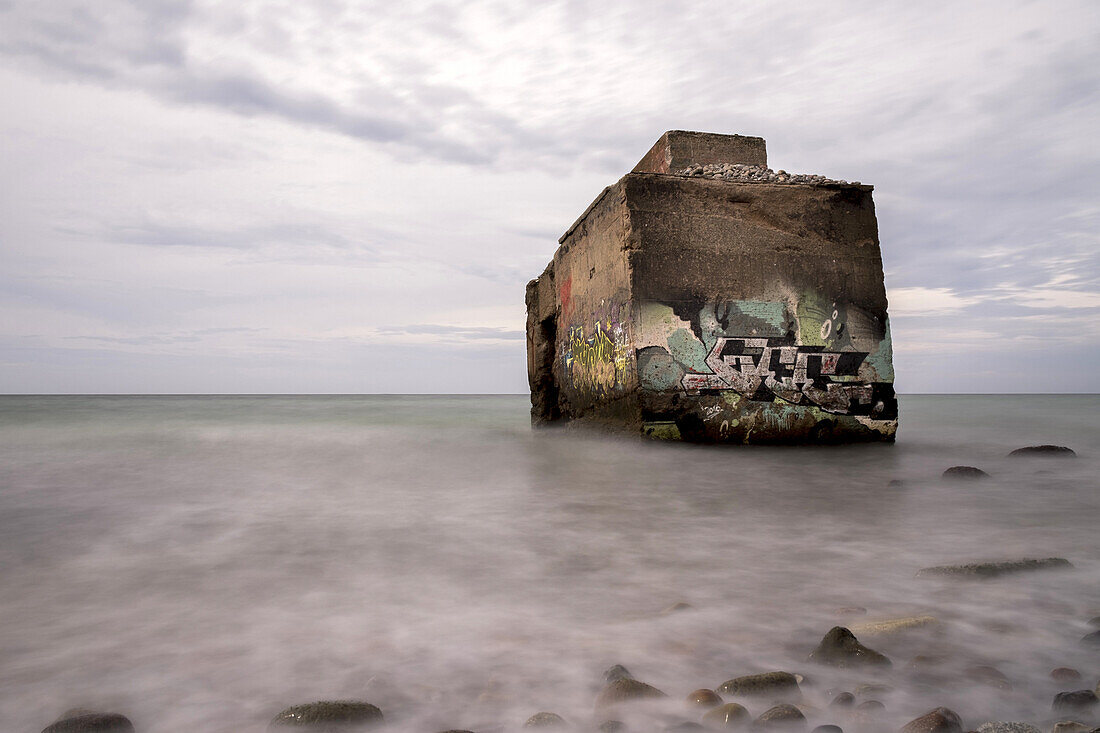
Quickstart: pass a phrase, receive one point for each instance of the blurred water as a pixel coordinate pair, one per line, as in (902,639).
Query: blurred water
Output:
(199,563)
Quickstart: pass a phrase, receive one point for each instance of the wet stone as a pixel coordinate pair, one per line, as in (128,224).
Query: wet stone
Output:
(1094,621)
(1091,640)
(685,726)
(828,729)
(730,715)
(1065,674)
(964,473)
(940,720)
(612,726)
(329,715)
(625,690)
(781,717)
(1046,451)
(1077,701)
(617,672)
(777,685)
(997,726)
(86,721)
(994,569)
(989,676)
(704,698)
(840,648)
(1070,726)
(872,689)
(871,706)
(545,720)
(843,700)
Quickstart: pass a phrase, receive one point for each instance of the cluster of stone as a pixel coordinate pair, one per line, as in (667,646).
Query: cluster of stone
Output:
(740,173)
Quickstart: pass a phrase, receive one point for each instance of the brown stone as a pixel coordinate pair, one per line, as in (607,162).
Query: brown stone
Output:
(704,698)
(545,720)
(679,149)
(775,685)
(781,717)
(1065,674)
(329,715)
(940,720)
(730,715)
(624,690)
(87,721)
(840,648)
(712,310)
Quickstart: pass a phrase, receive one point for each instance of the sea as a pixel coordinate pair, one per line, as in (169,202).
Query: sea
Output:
(199,563)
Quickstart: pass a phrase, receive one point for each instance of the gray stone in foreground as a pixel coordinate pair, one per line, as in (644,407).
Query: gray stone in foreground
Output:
(545,720)
(336,716)
(91,722)
(782,716)
(1077,701)
(993,569)
(997,726)
(1046,451)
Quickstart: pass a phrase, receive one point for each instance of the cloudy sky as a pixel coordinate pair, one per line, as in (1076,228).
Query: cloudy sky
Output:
(331,196)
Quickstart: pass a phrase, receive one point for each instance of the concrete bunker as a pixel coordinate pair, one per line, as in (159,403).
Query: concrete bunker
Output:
(707,298)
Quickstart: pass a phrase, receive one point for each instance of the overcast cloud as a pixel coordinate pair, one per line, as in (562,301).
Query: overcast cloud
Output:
(326,196)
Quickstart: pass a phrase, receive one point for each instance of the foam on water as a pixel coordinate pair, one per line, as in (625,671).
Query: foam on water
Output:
(199,563)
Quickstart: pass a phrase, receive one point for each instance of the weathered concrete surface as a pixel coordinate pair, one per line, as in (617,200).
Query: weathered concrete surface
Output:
(712,310)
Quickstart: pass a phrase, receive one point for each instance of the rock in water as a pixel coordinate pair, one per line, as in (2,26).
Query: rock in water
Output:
(612,726)
(828,729)
(91,722)
(1078,701)
(777,685)
(940,720)
(964,473)
(730,715)
(781,717)
(1065,674)
(1053,451)
(993,569)
(840,648)
(624,690)
(335,716)
(545,720)
(704,698)
(997,726)
(1070,726)
(617,672)
(893,625)
(1091,639)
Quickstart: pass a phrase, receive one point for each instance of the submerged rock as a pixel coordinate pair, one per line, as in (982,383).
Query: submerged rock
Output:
(329,715)
(1078,701)
(612,726)
(777,685)
(781,717)
(828,729)
(704,698)
(88,721)
(676,608)
(841,648)
(730,715)
(625,690)
(843,700)
(1065,674)
(1070,726)
(940,720)
(1091,639)
(989,676)
(617,672)
(892,625)
(545,720)
(997,726)
(964,473)
(993,569)
(1053,451)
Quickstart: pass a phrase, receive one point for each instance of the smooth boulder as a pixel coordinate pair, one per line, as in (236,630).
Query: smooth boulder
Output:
(325,716)
(994,569)
(730,715)
(704,698)
(940,720)
(777,685)
(626,689)
(85,721)
(1077,701)
(841,648)
(781,717)
(964,473)
(1045,451)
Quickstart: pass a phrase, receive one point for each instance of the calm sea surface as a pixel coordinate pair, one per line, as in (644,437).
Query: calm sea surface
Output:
(199,563)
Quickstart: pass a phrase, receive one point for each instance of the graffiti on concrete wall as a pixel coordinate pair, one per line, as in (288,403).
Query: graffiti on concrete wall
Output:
(815,353)
(595,355)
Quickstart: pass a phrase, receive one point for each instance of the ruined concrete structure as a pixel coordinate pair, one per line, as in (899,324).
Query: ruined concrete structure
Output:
(706,298)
